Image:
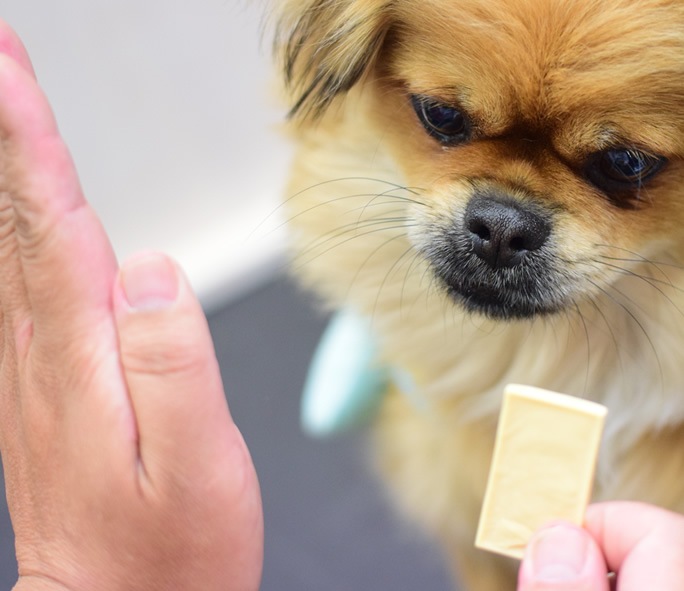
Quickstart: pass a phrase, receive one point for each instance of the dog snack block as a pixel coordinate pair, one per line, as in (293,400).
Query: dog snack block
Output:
(543,466)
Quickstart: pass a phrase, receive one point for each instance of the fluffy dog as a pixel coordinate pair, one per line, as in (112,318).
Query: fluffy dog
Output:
(498,185)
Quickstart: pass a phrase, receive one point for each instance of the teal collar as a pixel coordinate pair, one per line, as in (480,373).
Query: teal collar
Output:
(346,382)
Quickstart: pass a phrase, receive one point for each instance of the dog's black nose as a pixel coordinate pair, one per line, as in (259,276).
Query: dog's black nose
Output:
(503,230)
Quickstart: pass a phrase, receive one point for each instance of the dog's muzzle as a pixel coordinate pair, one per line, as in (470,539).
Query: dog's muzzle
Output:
(496,257)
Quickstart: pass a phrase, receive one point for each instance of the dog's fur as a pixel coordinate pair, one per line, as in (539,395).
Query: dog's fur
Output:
(379,214)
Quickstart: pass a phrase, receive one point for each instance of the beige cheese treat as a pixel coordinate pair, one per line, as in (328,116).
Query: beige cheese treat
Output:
(543,466)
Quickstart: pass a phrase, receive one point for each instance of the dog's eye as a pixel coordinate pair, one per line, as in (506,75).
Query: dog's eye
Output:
(623,168)
(445,123)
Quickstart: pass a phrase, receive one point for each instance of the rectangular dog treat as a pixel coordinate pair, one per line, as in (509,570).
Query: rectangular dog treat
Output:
(543,466)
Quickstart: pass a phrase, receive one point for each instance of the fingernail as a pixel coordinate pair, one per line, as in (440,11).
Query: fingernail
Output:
(559,553)
(150,282)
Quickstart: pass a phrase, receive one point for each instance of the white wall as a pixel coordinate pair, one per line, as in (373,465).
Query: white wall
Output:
(168,108)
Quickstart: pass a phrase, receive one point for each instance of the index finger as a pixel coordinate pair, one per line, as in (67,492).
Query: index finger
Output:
(68,264)
(642,543)
(11,45)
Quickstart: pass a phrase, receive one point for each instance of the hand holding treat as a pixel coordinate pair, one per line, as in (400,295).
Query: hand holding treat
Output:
(124,469)
(644,545)
(543,466)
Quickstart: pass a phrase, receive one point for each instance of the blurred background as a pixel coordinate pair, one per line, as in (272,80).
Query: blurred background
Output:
(169,110)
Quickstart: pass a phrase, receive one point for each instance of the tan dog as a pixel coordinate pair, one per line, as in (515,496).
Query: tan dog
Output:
(499,185)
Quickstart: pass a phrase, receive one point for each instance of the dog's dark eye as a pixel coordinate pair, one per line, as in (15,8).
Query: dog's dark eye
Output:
(623,168)
(443,122)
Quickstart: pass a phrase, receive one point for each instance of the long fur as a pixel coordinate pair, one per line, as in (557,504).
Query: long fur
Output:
(373,198)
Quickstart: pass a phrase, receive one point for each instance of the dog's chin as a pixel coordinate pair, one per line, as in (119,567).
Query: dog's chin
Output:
(489,302)
(523,293)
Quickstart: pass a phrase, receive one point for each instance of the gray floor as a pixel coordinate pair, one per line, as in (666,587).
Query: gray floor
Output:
(328,527)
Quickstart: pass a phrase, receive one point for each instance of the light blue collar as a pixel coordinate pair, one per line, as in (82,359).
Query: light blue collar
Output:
(346,382)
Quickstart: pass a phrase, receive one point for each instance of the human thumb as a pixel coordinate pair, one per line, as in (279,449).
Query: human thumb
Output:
(170,369)
(562,557)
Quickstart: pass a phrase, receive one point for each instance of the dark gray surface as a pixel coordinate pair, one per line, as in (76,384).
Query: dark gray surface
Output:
(328,527)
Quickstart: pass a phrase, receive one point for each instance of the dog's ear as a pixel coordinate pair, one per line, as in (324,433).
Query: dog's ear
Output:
(326,46)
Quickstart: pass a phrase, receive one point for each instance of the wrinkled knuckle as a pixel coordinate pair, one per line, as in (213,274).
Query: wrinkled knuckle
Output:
(6,217)
(180,356)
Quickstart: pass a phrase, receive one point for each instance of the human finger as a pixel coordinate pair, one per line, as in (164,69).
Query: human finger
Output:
(59,336)
(67,263)
(12,289)
(643,544)
(186,433)
(11,45)
(12,292)
(563,557)
(171,370)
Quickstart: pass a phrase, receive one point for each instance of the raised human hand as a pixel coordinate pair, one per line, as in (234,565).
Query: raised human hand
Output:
(123,466)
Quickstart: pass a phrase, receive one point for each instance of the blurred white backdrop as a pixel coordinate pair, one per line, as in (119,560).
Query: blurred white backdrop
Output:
(169,110)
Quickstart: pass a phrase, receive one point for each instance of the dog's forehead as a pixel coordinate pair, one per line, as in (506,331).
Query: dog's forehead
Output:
(548,58)
(547,34)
